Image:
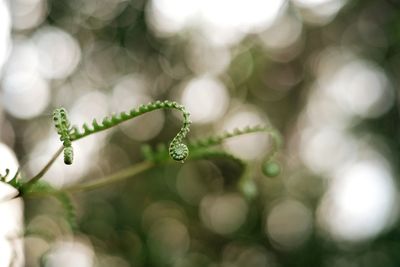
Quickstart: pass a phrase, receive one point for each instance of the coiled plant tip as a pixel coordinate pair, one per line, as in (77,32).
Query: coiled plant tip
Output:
(178,152)
(63,127)
(68,155)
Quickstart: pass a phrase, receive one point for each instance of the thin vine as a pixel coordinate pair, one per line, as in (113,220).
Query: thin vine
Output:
(219,139)
(177,149)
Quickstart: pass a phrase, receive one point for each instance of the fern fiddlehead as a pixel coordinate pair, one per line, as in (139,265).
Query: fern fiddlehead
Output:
(63,127)
(177,149)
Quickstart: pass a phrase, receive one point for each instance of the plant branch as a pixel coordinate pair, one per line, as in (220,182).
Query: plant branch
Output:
(45,168)
(91,185)
(124,174)
(177,150)
(113,178)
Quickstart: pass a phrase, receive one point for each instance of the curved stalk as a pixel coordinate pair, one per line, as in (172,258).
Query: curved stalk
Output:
(44,169)
(110,179)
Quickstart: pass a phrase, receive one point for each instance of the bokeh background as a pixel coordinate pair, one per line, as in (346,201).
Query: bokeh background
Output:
(325,73)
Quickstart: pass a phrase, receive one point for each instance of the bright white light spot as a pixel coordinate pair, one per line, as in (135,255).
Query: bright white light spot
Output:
(361,89)
(223,214)
(339,145)
(249,15)
(7,192)
(314,3)
(321,109)
(4,32)
(225,20)
(6,252)
(289,224)
(66,254)
(171,16)
(11,213)
(11,227)
(319,11)
(284,33)
(249,146)
(27,14)
(206,99)
(58,51)
(360,202)
(24,57)
(204,58)
(25,94)
(89,106)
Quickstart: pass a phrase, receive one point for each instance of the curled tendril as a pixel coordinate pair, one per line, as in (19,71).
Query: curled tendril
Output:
(177,150)
(63,126)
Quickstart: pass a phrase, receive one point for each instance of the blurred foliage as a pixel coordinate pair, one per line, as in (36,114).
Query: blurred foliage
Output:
(206,212)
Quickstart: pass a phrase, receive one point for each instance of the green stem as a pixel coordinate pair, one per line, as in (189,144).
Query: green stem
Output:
(91,185)
(109,122)
(127,173)
(177,150)
(218,139)
(113,178)
(45,168)
(124,174)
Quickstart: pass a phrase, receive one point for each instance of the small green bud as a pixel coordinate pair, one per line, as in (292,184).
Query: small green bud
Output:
(271,169)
